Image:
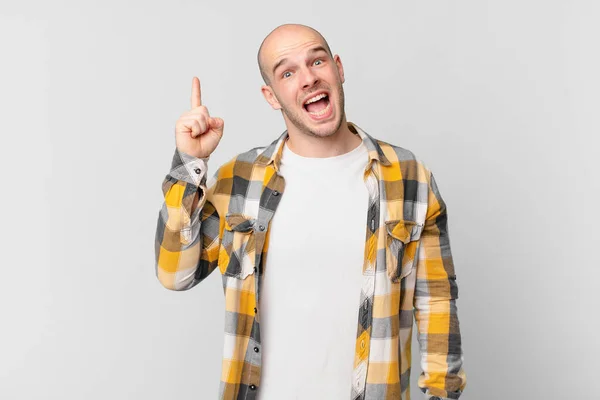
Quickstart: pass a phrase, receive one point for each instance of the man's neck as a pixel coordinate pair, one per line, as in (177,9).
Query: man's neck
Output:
(341,142)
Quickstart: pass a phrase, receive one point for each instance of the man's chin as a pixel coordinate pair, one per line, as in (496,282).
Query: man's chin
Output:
(321,129)
(323,133)
(324,128)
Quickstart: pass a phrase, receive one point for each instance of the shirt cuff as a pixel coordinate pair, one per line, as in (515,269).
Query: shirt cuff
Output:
(189,169)
(431,397)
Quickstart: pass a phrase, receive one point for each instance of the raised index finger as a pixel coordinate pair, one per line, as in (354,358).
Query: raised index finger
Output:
(196,97)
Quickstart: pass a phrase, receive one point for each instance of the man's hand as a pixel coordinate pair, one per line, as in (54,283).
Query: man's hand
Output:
(196,132)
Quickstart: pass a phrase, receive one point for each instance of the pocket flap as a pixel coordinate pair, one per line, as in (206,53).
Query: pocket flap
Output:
(238,246)
(239,223)
(400,229)
(401,245)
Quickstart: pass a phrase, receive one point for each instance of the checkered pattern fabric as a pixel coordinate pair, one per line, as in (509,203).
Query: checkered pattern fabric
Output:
(408,272)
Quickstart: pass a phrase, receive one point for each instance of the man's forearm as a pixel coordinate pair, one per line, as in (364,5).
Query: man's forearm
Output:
(436,314)
(178,242)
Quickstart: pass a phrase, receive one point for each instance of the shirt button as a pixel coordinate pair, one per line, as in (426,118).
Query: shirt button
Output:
(255,310)
(362,344)
(197,170)
(261,227)
(256,349)
(255,269)
(275,193)
(252,387)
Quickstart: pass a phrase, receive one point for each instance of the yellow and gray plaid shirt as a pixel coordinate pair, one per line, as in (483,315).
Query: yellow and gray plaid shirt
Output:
(223,222)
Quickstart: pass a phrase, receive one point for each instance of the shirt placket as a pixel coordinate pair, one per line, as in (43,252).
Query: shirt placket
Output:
(359,376)
(269,201)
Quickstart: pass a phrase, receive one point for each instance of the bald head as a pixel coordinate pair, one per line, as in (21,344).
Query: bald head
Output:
(281,38)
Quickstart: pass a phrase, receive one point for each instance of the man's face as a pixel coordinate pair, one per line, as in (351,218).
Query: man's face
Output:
(306,83)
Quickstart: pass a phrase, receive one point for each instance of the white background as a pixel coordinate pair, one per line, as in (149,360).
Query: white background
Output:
(498,98)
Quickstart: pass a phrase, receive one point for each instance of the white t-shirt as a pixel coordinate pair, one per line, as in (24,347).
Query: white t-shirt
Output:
(313,277)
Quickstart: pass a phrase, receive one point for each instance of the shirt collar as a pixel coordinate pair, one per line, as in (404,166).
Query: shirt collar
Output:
(272,154)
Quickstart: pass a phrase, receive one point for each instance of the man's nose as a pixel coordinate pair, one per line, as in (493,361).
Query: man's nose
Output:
(308,78)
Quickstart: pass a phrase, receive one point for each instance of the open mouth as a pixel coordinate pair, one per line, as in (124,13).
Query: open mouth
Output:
(318,106)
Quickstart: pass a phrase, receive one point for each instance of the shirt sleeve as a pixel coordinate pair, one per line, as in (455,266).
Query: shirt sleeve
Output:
(435,307)
(187,234)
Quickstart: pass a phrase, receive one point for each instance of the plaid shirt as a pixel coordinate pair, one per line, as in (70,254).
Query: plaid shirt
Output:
(408,267)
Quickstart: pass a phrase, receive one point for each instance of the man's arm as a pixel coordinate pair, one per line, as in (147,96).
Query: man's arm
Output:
(187,233)
(435,306)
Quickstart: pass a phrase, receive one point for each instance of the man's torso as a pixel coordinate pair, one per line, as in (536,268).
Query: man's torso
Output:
(302,316)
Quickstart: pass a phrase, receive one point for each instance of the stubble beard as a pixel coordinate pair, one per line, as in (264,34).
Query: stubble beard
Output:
(297,119)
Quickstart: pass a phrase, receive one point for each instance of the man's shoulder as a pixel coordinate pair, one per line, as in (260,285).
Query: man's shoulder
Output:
(250,156)
(400,153)
(398,157)
(240,164)
(403,158)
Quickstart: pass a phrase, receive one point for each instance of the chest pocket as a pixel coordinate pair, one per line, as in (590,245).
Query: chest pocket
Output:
(238,246)
(401,248)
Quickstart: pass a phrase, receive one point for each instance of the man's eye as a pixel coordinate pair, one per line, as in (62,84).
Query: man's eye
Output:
(286,74)
(318,61)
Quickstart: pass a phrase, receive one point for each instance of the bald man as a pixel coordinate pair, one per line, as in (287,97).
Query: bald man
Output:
(328,241)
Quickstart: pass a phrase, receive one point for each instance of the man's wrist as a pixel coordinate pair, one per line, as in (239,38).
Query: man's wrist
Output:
(189,169)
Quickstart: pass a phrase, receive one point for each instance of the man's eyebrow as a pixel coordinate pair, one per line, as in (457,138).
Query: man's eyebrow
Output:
(311,51)
(279,63)
(317,49)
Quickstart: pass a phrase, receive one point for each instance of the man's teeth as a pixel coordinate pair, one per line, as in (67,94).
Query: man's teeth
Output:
(316,98)
(323,111)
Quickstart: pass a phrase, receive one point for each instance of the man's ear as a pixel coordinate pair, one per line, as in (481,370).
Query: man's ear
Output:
(269,95)
(340,67)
